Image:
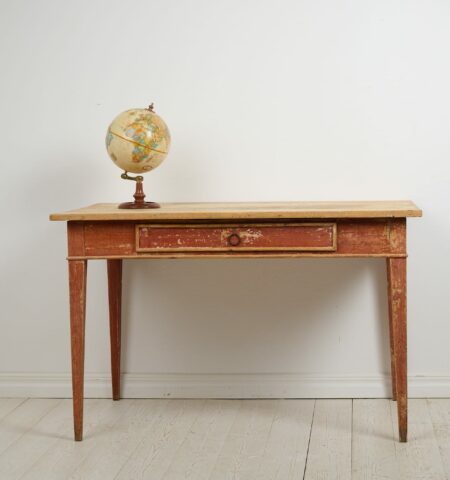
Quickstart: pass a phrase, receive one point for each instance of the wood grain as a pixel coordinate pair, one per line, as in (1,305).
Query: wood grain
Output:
(235,230)
(7,405)
(391,333)
(27,450)
(246,210)
(22,419)
(329,454)
(257,439)
(397,300)
(77,291)
(238,237)
(114,268)
(373,441)
(59,461)
(243,449)
(111,452)
(357,237)
(158,449)
(439,409)
(75,239)
(419,458)
(286,448)
(200,450)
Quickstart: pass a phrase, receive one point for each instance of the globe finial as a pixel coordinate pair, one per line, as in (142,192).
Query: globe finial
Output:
(151,107)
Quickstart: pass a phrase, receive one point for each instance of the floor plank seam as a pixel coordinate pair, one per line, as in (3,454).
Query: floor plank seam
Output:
(98,444)
(224,440)
(351,441)
(439,447)
(15,408)
(361,435)
(28,429)
(309,440)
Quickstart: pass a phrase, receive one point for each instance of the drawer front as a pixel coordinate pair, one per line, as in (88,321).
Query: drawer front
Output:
(255,237)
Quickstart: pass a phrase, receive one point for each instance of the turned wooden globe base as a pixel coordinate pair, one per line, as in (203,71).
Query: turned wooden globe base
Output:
(139,202)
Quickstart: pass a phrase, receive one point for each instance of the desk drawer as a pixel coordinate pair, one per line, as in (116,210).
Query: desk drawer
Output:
(252,237)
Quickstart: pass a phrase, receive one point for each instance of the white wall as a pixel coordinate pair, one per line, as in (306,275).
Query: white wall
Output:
(266,100)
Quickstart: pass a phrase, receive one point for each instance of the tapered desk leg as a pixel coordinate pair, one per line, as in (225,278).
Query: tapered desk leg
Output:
(391,335)
(77,286)
(397,301)
(115,312)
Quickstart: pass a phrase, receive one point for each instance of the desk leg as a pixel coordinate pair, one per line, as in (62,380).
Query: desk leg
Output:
(115,312)
(77,286)
(391,333)
(397,300)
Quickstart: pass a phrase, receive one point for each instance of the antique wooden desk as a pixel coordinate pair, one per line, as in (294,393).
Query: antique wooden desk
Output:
(234,230)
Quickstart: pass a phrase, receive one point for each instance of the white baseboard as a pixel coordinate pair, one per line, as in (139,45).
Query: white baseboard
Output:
(222,385)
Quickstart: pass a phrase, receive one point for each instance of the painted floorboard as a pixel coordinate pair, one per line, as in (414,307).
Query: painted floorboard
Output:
(224,439)
(110,453)
(243,449)
(373,441)
(329,454)
(7,405)
(157,450)
(284,456)
(439,409)
(61,460)
(419,458)
(199,451)
(21,455)
(21,419)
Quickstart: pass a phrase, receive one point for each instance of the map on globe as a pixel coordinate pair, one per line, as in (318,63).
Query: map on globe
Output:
(138,140)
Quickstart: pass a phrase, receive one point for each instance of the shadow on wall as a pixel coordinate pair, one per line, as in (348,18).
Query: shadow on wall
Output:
(242,316)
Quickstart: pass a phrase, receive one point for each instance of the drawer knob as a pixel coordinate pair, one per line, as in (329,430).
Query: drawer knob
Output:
(234,240)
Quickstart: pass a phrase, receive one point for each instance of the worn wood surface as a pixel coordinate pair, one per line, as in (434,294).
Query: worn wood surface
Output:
(357,237)
(247,210)
(159,448)
(329,454)
(77,291)
(345,229)
(65,455)
(391,332)
(419,458)
(151,439)
(439,410)
(114,268)
(244,447)
(222,237)
(29,447)
(197,457)
(76,239)
(397,301)
(373,441)
(21,419)
(111,453)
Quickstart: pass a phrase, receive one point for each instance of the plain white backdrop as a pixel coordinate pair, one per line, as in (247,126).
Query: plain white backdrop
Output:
(265,100)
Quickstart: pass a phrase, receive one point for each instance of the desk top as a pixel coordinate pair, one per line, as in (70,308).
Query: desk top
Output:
(247,210)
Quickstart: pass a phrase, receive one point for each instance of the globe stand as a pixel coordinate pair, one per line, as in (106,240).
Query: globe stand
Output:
(139,195)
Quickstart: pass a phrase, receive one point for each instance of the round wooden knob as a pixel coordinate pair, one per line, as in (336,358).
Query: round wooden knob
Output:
(234,240)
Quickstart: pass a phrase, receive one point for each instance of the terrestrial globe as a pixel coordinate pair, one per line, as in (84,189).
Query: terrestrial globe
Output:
(138,141)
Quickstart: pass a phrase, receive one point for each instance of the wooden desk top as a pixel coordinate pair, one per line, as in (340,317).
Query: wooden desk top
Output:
(247,210)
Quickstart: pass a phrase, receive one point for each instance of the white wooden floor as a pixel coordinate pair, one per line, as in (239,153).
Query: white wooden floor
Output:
(223,439)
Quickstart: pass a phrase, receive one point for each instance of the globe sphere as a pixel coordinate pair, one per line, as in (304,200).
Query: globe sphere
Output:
(138,140)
